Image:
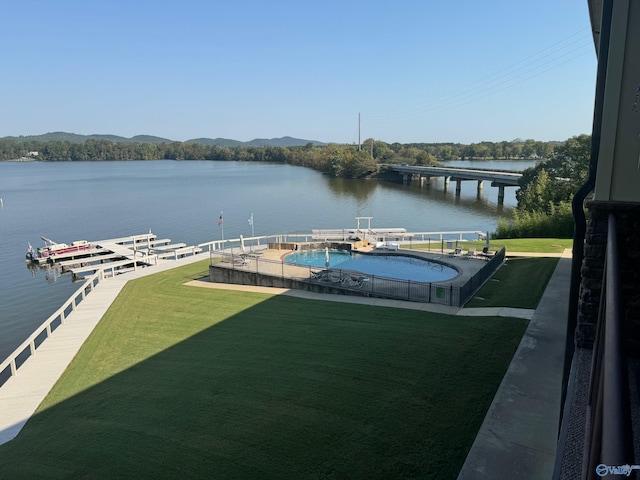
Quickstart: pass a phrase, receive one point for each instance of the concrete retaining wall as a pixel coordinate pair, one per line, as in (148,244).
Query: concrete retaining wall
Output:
(242,277)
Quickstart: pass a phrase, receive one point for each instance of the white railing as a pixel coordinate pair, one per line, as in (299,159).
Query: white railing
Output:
(180,252)
(458,235)
(10,364)
(261,241)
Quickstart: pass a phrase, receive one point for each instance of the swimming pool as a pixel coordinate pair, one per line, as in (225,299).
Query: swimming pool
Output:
(402,267)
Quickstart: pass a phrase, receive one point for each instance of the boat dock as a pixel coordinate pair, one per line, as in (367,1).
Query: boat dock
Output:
(118,255)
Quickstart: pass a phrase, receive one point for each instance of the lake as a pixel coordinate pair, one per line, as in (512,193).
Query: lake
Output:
(182,200)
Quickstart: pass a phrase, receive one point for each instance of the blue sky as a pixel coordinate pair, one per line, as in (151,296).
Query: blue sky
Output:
(417,71)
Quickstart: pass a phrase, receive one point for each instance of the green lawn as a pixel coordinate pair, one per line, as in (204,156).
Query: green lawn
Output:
(187,382)
(519,283)
(533,245)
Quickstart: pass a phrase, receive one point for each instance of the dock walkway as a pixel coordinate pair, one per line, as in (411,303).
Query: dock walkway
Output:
(518,438)
(96,258)
(121,255)
(113,267)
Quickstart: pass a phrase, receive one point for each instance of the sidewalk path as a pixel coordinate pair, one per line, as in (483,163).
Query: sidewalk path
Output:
(22,393)
(518,437)
(378,302)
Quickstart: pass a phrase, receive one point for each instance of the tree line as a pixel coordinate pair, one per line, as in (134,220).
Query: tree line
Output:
(350,161)
(544,196)
(546,191)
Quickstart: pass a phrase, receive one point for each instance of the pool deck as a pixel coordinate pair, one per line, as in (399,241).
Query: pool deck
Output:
(467,266)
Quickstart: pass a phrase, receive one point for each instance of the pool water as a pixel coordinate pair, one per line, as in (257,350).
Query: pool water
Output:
(391,266)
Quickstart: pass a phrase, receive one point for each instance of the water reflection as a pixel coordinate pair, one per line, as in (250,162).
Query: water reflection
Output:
(51,272)
(483,202)
(360,190)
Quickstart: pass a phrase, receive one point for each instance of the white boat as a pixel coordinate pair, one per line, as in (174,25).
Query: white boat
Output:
(51,249)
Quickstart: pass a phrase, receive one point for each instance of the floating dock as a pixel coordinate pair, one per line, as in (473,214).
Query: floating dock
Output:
(118,255)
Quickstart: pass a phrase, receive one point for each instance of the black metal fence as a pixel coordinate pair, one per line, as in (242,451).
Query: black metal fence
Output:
(476,281)
(358,283)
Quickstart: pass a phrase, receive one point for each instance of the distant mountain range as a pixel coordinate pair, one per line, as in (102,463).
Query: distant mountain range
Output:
(221,142)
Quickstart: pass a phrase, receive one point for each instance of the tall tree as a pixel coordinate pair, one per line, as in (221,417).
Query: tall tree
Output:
(556,180)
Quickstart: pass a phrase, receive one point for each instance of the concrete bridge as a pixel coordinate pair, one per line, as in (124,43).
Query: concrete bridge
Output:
(498,178)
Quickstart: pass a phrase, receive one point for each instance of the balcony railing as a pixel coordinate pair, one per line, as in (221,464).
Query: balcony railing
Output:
(608,437)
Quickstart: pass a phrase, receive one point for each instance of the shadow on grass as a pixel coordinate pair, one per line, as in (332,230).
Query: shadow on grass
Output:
(196,383)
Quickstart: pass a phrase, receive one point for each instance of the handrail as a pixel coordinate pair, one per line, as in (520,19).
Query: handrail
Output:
(577,203)
(11,362)
(222,244)
(608,437)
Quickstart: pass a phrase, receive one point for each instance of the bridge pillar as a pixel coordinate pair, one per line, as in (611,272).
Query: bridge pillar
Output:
(479,186)
(500,194)
(405,179)
(458,186)
(446,183)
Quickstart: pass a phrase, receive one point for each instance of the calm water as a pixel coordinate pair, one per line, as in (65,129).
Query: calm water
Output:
(391,266)
(182,200)
(318,258)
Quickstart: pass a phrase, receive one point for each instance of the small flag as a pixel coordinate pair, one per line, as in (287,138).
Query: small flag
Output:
(220,220)
(251,219)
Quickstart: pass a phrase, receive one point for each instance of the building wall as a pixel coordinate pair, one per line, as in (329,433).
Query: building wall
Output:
(618,174)
(628,232)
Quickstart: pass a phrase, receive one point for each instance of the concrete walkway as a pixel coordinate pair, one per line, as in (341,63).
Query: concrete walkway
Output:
(21,394)
(518,437)
(379,302)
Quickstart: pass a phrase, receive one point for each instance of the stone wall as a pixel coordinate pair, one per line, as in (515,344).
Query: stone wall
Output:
(628,232)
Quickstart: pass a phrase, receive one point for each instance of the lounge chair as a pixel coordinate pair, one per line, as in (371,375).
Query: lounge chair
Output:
(241,260)
(352,281)
(318,275)
(329,276)
(487,255)
(470,253)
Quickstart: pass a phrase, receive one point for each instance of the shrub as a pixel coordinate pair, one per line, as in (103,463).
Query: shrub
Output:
(557,222)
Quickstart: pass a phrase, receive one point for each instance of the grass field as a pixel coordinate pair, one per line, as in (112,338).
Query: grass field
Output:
(185,382)
(519,283)
(532,245)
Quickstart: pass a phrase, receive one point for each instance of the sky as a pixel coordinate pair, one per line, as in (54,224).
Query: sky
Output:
(333,71)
